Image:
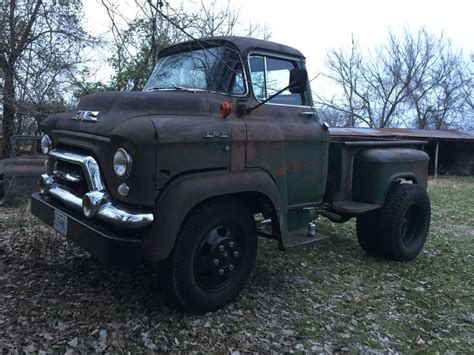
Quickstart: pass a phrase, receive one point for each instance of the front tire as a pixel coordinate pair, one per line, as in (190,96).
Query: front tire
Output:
(213,256)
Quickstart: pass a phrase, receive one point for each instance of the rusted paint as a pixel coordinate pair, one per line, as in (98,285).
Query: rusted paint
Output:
(290,148)
(180,134)
(186,191)
(369,182)
(376,168)
(239,140)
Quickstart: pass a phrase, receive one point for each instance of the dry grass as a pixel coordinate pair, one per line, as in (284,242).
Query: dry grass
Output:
(55,297)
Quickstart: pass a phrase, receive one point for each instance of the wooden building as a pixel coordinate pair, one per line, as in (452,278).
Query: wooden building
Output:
(451,152)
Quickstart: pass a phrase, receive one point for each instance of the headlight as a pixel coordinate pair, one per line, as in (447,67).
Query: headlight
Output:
(46,144)
(122,163)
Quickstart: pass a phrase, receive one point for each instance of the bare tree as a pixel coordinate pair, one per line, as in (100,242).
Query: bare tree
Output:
(438,96)
(354,103)
(39,41)
(467,121)
(138,40)
(413,75)
(211,19)
(333,117)
(214,20)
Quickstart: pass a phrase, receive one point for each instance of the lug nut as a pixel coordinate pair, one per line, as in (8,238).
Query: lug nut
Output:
(221,272)
(231,267)
(231,244)
(236,254)
(221,247)
(216,261)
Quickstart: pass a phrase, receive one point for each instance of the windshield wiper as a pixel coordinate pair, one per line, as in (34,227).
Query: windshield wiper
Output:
(172,87)
(183,88)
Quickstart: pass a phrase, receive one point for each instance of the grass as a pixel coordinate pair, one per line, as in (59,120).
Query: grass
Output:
(331,298)
(424,305)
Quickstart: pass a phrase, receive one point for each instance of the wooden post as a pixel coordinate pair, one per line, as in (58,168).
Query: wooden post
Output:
(436,159)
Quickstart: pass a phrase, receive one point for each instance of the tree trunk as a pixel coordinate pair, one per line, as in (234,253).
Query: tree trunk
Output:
(8,110)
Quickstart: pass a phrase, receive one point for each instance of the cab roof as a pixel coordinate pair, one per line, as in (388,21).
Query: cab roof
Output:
(243,44)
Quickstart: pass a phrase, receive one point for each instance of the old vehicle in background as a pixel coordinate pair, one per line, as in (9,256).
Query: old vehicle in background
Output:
(19,172)
(222,145)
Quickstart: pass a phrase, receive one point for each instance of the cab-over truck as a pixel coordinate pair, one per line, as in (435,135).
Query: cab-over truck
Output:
(222,145)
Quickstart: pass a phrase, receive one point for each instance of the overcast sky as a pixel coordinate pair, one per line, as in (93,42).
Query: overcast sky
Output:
(314,27)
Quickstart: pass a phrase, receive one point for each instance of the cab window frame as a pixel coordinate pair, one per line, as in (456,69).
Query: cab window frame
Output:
(297,61)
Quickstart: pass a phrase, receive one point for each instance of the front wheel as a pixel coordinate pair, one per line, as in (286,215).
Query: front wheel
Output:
(404,222)
(213,256)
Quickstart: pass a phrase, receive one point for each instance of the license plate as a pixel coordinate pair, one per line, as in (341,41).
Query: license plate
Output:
(60,222)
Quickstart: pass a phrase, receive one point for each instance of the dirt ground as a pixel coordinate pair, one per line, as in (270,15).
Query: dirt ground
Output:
(54,297)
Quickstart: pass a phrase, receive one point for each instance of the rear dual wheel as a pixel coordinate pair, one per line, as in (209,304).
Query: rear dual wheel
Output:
(213,256)
(398,231)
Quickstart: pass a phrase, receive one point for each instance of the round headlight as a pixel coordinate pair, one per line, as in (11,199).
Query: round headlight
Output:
(46,144)
(122,163)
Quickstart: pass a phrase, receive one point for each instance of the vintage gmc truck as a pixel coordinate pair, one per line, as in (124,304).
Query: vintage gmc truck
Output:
(222,145)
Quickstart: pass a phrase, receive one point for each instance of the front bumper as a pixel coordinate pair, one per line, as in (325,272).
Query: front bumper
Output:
(96,203)
(105,245)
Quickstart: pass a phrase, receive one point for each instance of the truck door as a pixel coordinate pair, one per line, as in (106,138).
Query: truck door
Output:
(284,136)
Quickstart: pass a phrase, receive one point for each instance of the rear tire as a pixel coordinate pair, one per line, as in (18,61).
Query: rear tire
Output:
(368,234)
(213,256)
(399,229)
(404,222)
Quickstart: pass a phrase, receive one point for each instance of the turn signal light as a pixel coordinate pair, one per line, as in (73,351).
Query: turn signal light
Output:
(225,109)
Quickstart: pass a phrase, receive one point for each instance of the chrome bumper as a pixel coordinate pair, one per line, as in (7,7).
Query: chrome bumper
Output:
(96,203)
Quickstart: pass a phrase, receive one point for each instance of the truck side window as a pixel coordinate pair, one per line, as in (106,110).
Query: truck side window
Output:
(269,75)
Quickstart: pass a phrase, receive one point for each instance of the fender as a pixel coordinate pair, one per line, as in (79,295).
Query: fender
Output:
(186,192)
(376,168)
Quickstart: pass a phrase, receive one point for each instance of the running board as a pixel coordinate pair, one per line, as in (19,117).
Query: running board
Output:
(300,239)
(353,208)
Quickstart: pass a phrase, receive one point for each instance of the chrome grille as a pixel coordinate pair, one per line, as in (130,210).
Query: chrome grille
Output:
(70,176)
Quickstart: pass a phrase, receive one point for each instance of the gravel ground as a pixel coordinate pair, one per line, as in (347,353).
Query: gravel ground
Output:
(56,298)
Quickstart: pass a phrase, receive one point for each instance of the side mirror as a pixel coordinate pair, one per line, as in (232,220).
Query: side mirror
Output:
(298,81)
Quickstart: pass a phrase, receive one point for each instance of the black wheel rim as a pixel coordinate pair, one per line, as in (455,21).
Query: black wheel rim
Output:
(412,225)
(218,258)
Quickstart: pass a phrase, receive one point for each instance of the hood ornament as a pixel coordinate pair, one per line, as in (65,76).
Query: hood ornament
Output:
(89,116)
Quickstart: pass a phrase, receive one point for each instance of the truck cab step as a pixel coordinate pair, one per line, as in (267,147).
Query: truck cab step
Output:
(353,208)
(300,239)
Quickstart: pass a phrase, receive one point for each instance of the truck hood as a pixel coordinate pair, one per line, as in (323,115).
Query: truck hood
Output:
(117,107)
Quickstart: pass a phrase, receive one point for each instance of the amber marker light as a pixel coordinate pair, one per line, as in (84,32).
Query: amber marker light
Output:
(226,109)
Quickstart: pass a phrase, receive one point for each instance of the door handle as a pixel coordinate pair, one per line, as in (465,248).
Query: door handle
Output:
(307,114)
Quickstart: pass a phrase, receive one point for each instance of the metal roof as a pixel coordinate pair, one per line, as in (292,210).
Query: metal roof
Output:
(384,133)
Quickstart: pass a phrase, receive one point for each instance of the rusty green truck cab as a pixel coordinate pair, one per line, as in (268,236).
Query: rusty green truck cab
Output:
(220,146)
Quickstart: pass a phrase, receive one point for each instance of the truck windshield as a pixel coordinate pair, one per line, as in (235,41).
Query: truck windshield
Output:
(213,69)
